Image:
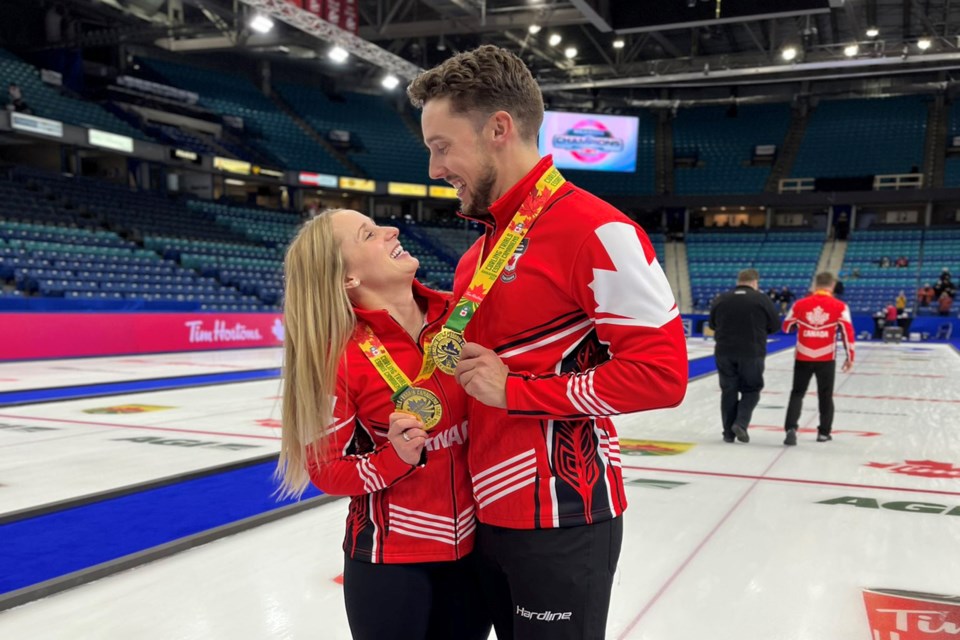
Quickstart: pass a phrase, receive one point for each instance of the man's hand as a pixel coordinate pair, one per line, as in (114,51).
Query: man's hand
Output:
(483,375)
(407,436)
(847,366)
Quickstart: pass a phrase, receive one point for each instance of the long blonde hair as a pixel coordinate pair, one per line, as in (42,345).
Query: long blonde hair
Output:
(319,322)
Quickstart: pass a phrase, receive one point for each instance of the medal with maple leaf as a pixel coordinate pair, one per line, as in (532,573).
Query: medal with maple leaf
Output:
(422,403)
(445,349)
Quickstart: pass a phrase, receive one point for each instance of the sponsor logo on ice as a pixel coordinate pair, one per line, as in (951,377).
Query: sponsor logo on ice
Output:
(920,468)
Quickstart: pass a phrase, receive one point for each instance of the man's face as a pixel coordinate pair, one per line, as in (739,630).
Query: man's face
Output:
(459,155)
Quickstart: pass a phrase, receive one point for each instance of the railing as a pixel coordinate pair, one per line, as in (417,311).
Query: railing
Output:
(898,181)
(895,181)
(796,185)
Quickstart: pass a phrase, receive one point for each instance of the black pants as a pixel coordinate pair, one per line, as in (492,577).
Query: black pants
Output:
(419,601)
(802,372)
(741,380)
(549,584)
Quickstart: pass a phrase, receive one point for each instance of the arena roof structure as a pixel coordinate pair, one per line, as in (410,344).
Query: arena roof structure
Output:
(599,53)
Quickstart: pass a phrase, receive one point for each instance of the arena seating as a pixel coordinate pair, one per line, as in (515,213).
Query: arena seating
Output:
(783,258)
(863,137)
(273,132)
(724,145)
(941,250)
(74,238)
(876,287)
(951,170)
(49,102)
(380,141)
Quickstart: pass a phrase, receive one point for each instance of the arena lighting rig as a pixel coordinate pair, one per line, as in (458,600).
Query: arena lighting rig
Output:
(319,28)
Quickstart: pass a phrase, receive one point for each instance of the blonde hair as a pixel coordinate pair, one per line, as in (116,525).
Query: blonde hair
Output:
(319,322)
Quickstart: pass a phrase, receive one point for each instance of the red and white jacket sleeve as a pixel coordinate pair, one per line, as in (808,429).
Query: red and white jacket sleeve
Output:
(617,281)
(346,474)
(790,321)
(847,332)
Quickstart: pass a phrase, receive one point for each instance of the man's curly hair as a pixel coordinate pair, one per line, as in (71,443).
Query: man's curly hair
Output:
(481,82)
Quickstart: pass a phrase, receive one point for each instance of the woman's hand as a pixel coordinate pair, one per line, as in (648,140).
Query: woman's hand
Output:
(407,436)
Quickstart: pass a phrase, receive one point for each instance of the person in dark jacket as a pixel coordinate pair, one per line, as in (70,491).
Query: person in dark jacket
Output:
(741,319)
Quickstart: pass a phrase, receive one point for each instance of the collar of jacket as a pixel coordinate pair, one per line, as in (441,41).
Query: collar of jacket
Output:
(501,211)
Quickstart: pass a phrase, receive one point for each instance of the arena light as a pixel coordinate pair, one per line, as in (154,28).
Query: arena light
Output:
(873,32)
(261,23)
(788,54)
(851,50)
(570,52)
(618,43)
(923,44)
(554,39)
(534,29)
(390,82)
(338,54)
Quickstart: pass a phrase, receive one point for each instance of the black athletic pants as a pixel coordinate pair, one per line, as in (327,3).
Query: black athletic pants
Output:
(418,601)
(549,584)
(825,372)
(741,380)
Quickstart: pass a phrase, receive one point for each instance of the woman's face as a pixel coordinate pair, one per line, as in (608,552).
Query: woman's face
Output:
(372,254)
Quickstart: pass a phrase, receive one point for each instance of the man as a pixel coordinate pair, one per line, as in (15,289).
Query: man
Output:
(925,295)
(741,319)
(818,318)
(17,103)
(786,297)
(582,327)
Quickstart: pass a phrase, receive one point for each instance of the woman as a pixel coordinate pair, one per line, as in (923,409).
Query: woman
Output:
(350,302)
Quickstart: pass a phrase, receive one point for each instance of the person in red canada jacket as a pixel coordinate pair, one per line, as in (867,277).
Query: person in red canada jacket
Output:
(579,325)
(818,318)
(349,287)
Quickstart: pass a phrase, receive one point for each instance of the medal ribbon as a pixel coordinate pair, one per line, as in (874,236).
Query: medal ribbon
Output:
(385,365)
(487,274)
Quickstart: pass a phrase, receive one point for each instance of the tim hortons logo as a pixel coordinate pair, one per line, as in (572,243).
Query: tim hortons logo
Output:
(921,468)
(818,316)
(221,332)
(894,614)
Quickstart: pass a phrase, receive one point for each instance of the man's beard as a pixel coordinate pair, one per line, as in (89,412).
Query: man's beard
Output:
(480,198)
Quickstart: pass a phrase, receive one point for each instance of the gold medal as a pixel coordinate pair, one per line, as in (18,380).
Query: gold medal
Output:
(445,349)
(421,403)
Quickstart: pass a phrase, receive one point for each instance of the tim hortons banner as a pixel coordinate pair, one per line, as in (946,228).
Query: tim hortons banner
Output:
(340,13)
(71,335)
(895,614)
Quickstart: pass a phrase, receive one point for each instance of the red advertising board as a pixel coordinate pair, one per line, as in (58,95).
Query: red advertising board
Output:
(69,335)
(909,615)
(349,19)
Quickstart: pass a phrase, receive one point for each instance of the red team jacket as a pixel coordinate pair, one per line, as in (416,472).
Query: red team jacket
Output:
(818,317)
(585,320)
(398,513)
